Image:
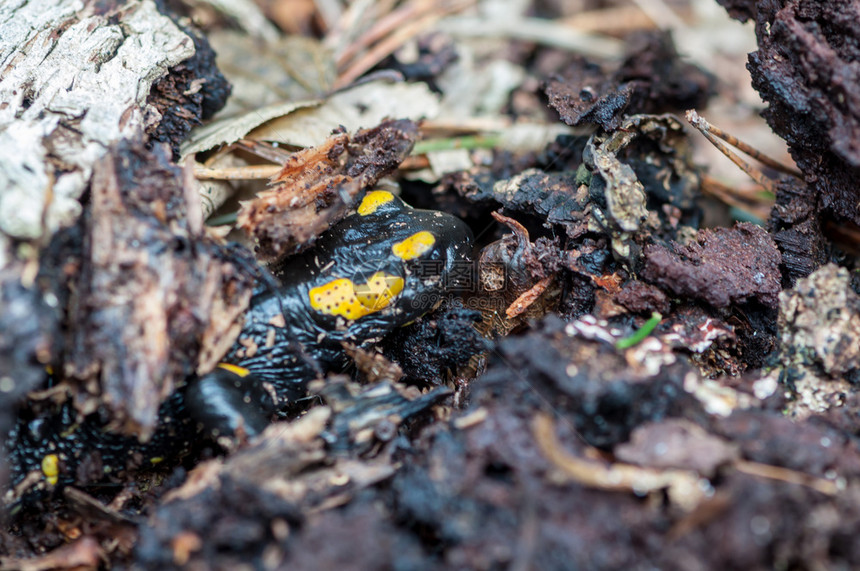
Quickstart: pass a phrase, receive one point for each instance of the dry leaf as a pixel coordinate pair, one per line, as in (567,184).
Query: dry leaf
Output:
(309,123)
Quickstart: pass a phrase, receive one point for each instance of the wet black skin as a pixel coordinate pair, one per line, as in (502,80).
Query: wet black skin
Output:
(311,342)
(309,345)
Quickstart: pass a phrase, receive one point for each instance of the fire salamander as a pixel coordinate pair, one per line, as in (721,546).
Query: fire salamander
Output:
(377,270)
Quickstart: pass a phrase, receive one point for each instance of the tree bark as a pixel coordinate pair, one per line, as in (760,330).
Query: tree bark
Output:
(74,79)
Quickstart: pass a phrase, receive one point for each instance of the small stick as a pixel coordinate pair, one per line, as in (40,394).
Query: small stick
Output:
(267,151)
(683,486)
(753,172)
(609,20)
(252,172)
(465,125)
(414,163)
(384,49)
(781,474)
(702,125)
(394,41)
(385,25)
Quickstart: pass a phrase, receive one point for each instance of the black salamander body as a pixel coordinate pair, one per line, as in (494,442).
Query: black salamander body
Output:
(377,270)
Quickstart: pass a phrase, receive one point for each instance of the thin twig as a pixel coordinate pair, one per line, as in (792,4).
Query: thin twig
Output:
(252,172)
(754,173)
(463,125)
(622,19)
(384,26)
(706,128)
(785,475)
(384,49)
(224,220)
(683,486)
(414,162)
(543,32)
(393,42)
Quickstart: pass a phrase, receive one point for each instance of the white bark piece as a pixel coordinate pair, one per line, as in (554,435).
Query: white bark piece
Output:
(73,80)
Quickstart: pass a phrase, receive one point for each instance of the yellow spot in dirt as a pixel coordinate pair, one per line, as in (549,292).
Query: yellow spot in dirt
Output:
(373,200)
(235,369)
(414,246)
(344,298)
(51,468)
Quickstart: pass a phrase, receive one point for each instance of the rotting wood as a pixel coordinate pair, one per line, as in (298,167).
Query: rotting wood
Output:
(74,79)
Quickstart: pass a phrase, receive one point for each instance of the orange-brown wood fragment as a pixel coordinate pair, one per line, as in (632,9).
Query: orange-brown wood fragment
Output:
(317,187)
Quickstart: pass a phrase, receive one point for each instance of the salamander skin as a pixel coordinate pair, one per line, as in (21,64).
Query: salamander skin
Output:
(377,270)
(69,451)
(351,288)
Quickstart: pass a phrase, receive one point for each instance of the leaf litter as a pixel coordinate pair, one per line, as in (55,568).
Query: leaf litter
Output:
(621,365)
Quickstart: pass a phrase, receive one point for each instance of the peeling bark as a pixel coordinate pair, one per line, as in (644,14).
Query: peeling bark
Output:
(73,80)
(156,299)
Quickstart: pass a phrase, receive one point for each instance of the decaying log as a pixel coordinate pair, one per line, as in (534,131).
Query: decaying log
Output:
(74,78)
(83,86)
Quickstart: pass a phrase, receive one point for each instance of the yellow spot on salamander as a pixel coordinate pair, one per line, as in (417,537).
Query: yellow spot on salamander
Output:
(414,246)
(344,298)
(51,468)
(156,460)
(235,369)
(373,200)
(379,290)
